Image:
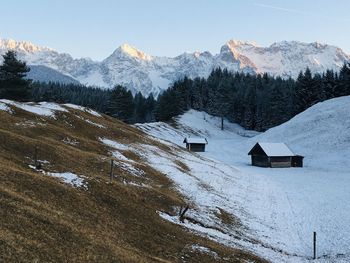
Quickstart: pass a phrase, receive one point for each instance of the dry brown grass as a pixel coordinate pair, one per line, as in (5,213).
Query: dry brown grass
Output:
(45,220)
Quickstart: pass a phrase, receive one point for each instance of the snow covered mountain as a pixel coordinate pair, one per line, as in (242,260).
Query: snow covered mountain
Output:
(46,74)
(141,72)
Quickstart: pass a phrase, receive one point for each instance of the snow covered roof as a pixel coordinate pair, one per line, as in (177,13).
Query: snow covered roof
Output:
(195,140)
(275,149)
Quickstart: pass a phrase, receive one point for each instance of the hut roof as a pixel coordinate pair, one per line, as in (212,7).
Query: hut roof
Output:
(274,149)
(195,140)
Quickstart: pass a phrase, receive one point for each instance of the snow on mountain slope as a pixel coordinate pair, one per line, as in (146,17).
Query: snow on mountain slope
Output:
(287,58)
(147,74)
(46,74)
(43,56)
(279,207)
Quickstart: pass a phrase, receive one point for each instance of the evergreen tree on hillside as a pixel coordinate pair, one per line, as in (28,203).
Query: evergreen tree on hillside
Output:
(223,100)
(150,108)
(307,91)
(318,90)
(278,107)
(169,105)
(329,84)
(260,99)
(13,84)
(120,104)
(249,107)
(139,107)
(343,86)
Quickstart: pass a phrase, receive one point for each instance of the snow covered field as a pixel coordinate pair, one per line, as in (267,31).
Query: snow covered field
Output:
(279,208)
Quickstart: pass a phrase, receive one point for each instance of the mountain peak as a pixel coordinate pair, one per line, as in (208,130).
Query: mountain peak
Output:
(23,46)
(236,43)
(134,52)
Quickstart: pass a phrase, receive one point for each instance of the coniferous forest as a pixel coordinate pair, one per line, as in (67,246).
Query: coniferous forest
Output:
(256,102)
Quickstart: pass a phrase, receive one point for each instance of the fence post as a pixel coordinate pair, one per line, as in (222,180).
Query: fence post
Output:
(111,172)
(182,213)
(314,245)
(36,162)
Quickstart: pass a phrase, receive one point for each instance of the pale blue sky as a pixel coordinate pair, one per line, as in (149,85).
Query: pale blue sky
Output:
(87,28)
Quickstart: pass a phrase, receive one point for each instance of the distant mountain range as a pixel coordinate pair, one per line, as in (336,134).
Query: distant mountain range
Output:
(147,74)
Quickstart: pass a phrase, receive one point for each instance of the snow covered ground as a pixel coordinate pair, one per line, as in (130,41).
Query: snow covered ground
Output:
(46,109)
(66,177)
(279,208)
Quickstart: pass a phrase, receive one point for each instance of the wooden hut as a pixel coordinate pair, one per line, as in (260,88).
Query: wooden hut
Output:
(195,144)
(274,155)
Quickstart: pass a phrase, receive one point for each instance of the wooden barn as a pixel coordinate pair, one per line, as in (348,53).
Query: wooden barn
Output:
(274,155)
(195,144)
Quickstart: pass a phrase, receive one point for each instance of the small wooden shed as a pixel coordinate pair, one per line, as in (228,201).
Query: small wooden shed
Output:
(195,144)
(274,155)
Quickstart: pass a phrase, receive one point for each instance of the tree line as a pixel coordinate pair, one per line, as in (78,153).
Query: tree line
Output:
(256,102)
(117,102)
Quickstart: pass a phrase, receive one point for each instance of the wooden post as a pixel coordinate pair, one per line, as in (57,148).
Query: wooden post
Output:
(314,245)
(36,163)
(111,172)
(182,213)
(222,123)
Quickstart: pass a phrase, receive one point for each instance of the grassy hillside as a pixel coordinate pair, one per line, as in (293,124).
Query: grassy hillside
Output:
(44,219)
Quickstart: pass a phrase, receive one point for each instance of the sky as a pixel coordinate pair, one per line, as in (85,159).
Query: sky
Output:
(87,28)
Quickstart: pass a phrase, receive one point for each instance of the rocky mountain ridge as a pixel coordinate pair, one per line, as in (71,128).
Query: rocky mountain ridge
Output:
(148,74)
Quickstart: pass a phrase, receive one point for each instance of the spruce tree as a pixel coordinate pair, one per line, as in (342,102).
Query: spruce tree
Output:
(277,107)
(249,114)
(150,107)
(306,91)
(120,104)
(223,100)
(13,84)
(140,108)
(329,84)
(343,87)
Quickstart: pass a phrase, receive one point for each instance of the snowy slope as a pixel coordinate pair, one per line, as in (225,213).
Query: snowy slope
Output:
(152,74)
(279,207)
(272,212)
(46,74)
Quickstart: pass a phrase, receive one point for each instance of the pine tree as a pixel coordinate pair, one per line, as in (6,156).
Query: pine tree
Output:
(249,114)
(223,100)
(277,107)
(120,104)
(13,84)
(150,108)
(140,108)
(329,84)
(343,87)
(306,92)
(168,105)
